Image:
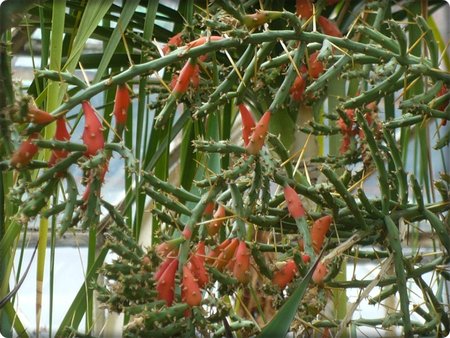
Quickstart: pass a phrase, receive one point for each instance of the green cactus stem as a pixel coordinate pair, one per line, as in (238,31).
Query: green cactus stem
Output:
(375,152)
(389,291)
(396,247)
(260,261)
(430,40)
(347,197)
(224,87)
(400,36)
(279,148)
(234,326)
(221,147)
(405,120)
(253,192)
(262,54)
(61,77)
(370,208)
(38,199)
(319,129)
(166,201)
(378,37)
(384,88)
(399,170)
(60,145)
(238,205)
(443,141)
(72,193)
(127,154)
(388,280)
(292,72)
(58,167)
(331,73)
(426,97)
(232,174)
(180,193)
(222,278)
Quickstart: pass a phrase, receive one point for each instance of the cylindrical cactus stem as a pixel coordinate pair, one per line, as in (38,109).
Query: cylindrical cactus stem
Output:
(283,91)
(430,40)
(399,172)
(114,213)
(72,193)
(221,147)
(58,167)
(38,199)
(282,152)
(342,190)
(122,150)
(231,174)
(60,145)
(331,73)
(372,94)
(379,163)
(91,207)
(238,205)
(166,201)
(387,292)
(423,98)
(222,278)
(165,315)
(396,248)
(378,37)
(224,87)
(180,193)
(261,262)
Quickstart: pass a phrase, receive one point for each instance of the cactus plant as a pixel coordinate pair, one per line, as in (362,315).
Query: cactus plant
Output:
(239,224)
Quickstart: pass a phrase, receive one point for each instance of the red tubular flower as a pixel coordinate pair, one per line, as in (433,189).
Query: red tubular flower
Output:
(162,267)
(121,104)
(315,66)
(197,266)
(298,87)
(294,204)
(319,230)
(214,225)
(174,41)
(329,27)
(39,116)
(165,285)
(226,254)
(25,153)
(319,273)
(304,8)
(242,263)
(190,291)
(61,134)
(258,137)
(248,124)
(93,131)
(285,275)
